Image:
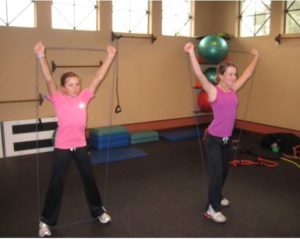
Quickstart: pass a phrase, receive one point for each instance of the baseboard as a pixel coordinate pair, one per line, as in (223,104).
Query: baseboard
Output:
(205,119)
(264,129)
(169,123)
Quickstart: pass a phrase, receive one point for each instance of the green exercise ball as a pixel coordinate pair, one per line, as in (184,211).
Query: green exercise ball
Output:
(211,75)
(213,48)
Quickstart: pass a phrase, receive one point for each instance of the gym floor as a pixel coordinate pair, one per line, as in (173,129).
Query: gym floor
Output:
(160,195)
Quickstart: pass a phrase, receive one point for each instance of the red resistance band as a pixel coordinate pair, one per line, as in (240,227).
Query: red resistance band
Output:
(258,162)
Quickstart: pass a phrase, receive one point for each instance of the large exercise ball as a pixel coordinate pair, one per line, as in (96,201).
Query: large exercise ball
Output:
(211,75)
(213,48)
(203,103)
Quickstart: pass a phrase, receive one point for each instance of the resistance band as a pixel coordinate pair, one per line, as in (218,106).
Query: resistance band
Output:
(118,107)
(37,155)
(110,106)
(295,155)
(258,162)
(290,161)
(238,141)
(200,140)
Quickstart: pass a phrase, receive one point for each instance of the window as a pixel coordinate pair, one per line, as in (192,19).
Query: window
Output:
(131,16)
(17,13)
(74,14)
(255,17)
(292,17)
(177,18)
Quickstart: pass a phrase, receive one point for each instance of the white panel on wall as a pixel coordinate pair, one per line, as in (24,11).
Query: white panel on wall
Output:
(28,136)
(1,145)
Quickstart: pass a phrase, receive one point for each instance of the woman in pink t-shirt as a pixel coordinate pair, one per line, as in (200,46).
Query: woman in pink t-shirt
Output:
(70,104)
(224,105)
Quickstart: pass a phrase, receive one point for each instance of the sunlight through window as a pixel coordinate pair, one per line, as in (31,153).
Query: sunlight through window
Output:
(131,16)
(17,13)
(255,17)
(74,14)
(177,18)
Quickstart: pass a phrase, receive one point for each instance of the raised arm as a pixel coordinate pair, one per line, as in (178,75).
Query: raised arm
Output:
(206,85)
(102,71)
(40,52)
(248,72)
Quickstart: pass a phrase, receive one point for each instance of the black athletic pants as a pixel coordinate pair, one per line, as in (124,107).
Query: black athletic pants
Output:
(218,157)
(61,164)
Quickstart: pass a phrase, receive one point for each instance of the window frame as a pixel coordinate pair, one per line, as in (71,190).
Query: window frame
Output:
(191,19)
(9,22)
(132,33)
(285,12)
(256,31)
(73,27)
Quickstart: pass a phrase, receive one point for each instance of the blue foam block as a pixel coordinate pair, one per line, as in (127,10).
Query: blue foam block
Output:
(108,141)
(109,130)
(180,134)
(112,137)
(109,144)
(144,136)
(146,140)
(111,155)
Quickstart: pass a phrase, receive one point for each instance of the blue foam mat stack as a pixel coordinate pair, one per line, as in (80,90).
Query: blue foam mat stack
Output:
(144,136)
(108,137)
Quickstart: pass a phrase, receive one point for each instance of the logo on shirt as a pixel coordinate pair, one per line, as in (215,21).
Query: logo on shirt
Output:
(81,105)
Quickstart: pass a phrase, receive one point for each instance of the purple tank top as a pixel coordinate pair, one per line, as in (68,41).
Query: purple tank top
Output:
(224,109)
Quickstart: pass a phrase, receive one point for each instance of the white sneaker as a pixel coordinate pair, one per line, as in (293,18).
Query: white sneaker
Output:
(104,218)
(44,230)
(225,202)
(215,216)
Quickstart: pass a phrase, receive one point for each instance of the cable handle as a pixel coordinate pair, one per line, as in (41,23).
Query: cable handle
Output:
(118,109)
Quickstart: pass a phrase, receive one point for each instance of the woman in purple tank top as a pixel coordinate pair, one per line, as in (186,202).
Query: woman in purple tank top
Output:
(224,105)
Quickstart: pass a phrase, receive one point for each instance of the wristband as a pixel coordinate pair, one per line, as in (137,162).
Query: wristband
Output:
(42,55)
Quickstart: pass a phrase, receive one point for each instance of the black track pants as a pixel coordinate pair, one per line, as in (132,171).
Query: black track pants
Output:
(61,164)
(218,157)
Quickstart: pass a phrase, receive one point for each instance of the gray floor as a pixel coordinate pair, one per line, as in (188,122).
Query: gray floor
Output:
(160,195)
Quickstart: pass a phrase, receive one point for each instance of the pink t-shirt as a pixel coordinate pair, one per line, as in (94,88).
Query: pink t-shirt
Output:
(224,109)
(71,115)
